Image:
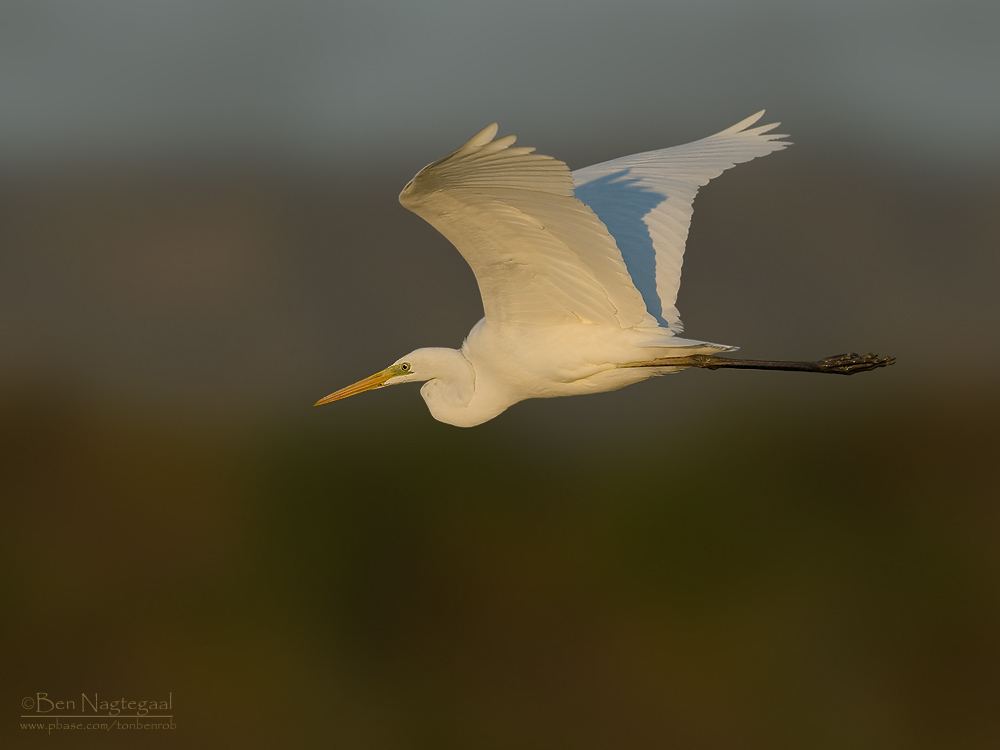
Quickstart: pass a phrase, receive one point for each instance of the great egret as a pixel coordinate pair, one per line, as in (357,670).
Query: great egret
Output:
(578,272)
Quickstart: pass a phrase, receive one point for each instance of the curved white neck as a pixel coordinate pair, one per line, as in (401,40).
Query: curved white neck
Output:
(450,386)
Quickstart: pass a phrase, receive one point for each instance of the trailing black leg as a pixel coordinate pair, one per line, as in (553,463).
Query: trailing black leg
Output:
(839,364)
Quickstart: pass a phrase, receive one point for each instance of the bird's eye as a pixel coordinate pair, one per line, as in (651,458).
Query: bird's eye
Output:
(405,366)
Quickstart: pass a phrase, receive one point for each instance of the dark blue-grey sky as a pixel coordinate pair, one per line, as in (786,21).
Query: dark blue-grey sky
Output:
(875,229)
(912,81)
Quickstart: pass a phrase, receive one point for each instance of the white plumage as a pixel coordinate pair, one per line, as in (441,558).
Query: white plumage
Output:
(542,241)
(578,272)
(646,201)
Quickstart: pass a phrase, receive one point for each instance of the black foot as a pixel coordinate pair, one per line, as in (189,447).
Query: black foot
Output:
(848,364)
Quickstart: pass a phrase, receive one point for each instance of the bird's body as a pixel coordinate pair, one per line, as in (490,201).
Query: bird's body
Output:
(499,366)
(578,272)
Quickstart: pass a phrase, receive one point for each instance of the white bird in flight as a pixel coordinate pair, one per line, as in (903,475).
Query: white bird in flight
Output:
(578,272)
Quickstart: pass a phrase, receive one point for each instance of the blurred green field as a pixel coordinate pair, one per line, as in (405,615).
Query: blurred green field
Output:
(757,577)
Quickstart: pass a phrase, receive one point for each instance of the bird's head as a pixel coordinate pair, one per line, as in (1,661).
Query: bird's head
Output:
(404,370)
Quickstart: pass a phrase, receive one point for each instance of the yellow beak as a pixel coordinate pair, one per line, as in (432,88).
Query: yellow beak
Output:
(375,381)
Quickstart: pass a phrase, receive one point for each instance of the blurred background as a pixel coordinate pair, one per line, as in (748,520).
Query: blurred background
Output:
(199,237)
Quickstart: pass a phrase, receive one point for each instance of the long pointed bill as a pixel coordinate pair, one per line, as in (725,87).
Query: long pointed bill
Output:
(375,381)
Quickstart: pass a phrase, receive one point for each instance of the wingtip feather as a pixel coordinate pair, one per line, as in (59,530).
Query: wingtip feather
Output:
(499,144)
(743,128)
(746,123)
(483,137)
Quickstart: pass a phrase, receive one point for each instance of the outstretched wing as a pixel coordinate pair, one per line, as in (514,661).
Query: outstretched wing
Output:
(646,201)
(539,254)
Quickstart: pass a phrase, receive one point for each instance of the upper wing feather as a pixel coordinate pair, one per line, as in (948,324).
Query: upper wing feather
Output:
(539,254)
(646,201)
